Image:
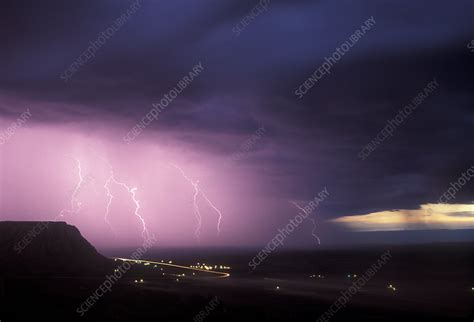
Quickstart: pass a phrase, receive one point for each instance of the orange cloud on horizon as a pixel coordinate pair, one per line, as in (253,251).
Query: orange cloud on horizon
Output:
(428,216)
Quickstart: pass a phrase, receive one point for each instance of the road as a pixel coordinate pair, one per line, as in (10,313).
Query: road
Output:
(220,274)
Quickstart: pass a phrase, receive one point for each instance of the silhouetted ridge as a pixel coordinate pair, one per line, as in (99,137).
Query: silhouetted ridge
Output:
(43,247)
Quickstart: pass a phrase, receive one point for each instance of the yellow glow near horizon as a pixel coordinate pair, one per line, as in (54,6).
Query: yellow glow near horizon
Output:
(428,216)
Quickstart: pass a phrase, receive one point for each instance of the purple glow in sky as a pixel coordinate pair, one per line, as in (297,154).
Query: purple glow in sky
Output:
(211,126)
(39,166)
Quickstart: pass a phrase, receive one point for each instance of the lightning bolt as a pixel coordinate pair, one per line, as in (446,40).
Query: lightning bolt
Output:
(314,228)
(310,219)
(197,212)
(110,196)
(146,235)
(74,202)
(133,193)
(219,218)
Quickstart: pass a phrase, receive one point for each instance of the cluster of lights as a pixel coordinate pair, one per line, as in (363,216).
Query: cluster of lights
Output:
(391,287)
(352,276)
(154,266)
(203,266)
(316,276)
(179,275)
(139,281)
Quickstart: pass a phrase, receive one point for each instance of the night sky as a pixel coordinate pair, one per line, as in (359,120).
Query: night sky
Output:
(248,82)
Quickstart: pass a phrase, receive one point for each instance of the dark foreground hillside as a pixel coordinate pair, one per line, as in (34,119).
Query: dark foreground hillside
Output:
(45,248)
(59,271)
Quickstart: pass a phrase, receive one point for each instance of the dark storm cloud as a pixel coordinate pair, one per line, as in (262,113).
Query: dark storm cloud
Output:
(250,80)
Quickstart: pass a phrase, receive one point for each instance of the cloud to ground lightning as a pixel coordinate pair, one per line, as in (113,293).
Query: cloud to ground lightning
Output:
(197,231)
(310,219)
(197,212)
(75,204)
(133,194)
(219,218)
